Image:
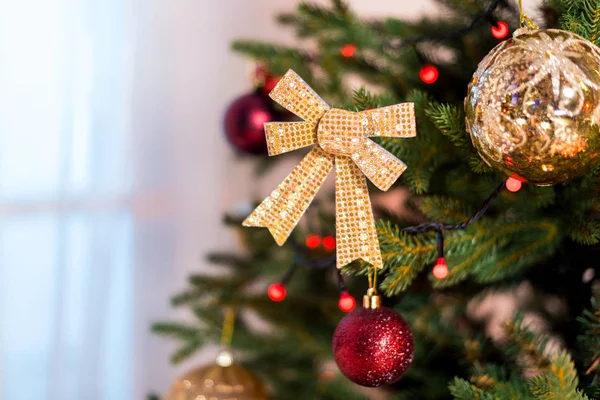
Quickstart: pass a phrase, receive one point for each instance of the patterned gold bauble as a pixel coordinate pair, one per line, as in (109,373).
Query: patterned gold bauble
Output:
(532,108)
(223,380)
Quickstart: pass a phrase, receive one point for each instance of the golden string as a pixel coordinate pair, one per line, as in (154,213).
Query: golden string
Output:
(228,325)
(372,275)
(524,19)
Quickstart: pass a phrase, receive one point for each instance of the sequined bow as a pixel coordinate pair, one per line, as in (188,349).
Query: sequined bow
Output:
(339,138)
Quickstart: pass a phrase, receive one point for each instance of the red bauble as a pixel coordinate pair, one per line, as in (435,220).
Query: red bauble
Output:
(373,347)
(244,122)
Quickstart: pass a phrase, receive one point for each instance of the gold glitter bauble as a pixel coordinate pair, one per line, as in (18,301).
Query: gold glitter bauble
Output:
(214,382)
(532,108)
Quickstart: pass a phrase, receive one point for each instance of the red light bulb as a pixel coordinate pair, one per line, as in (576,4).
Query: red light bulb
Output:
(429,74)
(440,271)
(348,50)
(313,241)
(277,291)
(513,184)
(270,83)
(500,30)
(346,303)
(329,243)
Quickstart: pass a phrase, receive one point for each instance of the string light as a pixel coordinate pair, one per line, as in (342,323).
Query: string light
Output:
(313,241)
(329,243)
(429,74)
(277,292)
(440,270)
(348,50)
(500,30)
(513,184)
(347,302)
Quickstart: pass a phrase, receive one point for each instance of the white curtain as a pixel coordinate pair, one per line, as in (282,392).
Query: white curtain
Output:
(69,195)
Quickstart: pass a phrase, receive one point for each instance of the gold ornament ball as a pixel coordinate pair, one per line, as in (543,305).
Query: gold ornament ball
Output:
(218,382)
(532,108)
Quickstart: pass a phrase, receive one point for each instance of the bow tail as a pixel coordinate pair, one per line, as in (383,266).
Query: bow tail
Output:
(281,211)
(356,236)
(379,165)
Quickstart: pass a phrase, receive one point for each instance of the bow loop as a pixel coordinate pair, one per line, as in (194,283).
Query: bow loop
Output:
(392,121)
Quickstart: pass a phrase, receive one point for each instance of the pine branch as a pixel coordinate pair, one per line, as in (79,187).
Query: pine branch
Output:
(176,330)
(463,390)
(582,17)
(525,346)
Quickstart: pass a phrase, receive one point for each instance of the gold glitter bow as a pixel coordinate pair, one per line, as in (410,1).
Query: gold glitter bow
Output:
(339,138)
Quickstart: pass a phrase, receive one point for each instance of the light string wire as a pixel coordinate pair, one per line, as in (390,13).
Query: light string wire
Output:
(486,15)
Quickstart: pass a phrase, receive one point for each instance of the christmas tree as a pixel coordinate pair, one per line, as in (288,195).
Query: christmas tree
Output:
(497,284)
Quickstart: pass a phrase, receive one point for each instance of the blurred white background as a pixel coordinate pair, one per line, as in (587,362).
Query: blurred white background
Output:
(114,175)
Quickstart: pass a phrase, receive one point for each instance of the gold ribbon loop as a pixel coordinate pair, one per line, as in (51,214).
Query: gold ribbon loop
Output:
(292,93)
(339,137)
(392,121)
(287,136)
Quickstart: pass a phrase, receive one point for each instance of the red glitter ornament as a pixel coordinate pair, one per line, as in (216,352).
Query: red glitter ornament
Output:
(429,74)
(313,241)
(277,292)
(373,346)
(244,122)
(346,303)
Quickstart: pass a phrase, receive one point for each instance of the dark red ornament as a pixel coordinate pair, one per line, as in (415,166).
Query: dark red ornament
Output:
(244,122)
(373,346)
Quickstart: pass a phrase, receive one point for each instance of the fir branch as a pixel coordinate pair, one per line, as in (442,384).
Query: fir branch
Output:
(463,390)
(582,17)
(525,346)
(186,350)
(450,120)
(176,330)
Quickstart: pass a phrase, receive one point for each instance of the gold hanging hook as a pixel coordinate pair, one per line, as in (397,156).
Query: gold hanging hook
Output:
(525,21)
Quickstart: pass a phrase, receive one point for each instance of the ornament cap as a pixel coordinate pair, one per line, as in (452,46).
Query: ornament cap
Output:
(224,359)
(371,300)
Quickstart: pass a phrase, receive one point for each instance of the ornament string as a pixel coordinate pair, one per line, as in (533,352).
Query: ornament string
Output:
(228,326)
(525,21)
